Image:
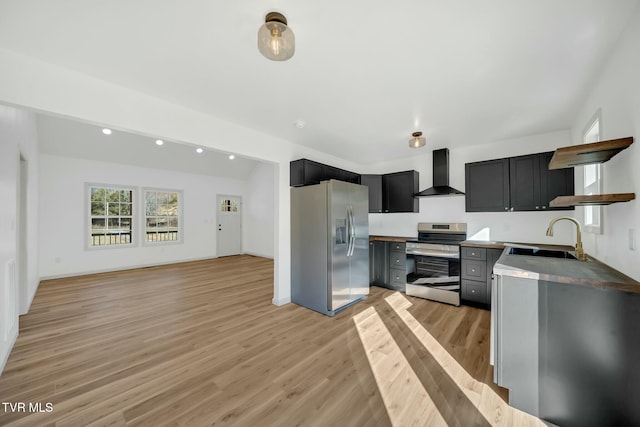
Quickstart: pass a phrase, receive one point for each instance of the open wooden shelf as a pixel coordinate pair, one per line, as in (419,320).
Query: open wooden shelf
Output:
(584,154)
(596,199)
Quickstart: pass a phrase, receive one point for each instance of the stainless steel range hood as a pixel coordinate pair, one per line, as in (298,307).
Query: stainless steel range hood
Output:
(440,177)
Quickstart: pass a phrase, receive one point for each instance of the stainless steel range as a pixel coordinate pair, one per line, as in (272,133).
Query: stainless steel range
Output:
(433,262)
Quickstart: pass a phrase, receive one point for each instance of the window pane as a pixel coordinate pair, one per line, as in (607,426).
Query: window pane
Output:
(125,209)
(97,224)
(97,194)
(113,223)
(113,208)
(150,197)
(125,224)
(113,195)
(97,208)
(173,222)
(151,223)
(152,209)
(125,195)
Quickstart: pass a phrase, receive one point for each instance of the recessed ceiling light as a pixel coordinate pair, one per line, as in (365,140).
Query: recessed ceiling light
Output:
(231,157)
(106,131)
(199,150)
(299,124)
(159,142)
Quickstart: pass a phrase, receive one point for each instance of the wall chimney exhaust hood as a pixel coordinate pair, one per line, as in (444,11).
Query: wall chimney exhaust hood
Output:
(440,176)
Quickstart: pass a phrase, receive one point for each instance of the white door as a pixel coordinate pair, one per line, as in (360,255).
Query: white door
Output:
(229,218)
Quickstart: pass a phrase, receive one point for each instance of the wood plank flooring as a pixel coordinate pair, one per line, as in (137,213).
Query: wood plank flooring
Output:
(200,343)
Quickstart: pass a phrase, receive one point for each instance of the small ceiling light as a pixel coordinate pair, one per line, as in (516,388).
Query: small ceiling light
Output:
(299,124)
(199,150)
(159,142)
(106,131)
(231,157)
(276,40)
(417,140)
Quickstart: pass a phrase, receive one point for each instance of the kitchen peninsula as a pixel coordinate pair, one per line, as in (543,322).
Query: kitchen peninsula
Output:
(564,338)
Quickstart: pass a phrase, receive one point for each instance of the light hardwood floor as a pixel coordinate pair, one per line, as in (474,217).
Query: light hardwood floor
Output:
(200,343)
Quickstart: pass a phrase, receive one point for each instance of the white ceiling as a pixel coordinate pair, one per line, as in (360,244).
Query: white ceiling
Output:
(366,73)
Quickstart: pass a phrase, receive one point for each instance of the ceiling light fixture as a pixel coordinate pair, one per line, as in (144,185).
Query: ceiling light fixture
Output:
(417,140)
(199,150)
(299,124)
(159,142)
(106,131)
(231,157)
(276,40)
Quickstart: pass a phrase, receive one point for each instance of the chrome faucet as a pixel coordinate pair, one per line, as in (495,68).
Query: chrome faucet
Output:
(579,251)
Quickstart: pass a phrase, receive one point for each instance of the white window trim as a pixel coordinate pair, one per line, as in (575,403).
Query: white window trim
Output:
(590,228)
(87,216)
(143,207)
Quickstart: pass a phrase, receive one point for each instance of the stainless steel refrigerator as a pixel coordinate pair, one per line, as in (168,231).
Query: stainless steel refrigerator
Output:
(329,245)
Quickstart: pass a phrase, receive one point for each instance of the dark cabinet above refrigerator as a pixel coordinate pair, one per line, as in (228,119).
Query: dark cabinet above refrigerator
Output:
(307,172)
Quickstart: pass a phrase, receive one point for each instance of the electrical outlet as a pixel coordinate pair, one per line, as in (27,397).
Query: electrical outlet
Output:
(632,239)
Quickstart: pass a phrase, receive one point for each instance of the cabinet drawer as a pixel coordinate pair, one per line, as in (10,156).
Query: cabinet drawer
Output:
(398,247)
(397,260)
(398,278)
(473,253)
(474,291)
(474,270)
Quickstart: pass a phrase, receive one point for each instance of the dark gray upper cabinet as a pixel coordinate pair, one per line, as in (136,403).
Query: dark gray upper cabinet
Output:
(487,186)
(392,192)
(522,183)
(374,182)
(307,172)
(398,190)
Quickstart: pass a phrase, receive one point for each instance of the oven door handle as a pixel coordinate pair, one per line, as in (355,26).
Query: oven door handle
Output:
(452,255)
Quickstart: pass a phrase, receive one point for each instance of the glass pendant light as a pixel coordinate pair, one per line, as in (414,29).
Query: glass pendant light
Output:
(276,40)
(417,140)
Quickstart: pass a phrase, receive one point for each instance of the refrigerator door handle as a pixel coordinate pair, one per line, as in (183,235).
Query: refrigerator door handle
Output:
(352,231)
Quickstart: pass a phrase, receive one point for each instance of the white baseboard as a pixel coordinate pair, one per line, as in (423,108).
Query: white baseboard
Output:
(259,255)
(132,267)
(7,351)
(281,301)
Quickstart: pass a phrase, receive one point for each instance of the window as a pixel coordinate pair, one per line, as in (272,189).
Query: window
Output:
(162,215)
(229,205)
(111,215)
(592,178)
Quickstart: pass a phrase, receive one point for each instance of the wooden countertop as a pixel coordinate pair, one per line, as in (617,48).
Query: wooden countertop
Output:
(391,238)
(500,245)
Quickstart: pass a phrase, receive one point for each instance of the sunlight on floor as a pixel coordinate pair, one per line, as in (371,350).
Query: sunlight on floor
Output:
(404,396)
(489,404)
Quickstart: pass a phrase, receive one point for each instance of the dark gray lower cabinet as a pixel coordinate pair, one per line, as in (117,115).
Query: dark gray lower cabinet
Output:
(387,264)
(476,265)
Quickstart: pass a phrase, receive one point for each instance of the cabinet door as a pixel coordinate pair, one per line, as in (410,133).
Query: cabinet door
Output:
(398,191)
(487,186)
(554,183)
(524,183)
(305,172)
(374,182)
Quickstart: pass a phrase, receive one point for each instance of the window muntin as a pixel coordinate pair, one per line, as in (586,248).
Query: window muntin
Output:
(162,216)
(111,215)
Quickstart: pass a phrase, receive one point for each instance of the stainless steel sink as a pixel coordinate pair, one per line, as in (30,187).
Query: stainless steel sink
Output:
(540,252)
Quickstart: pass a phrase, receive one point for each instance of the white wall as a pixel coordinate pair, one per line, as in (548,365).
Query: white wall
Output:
(42,86)
(527,227)
(617,93)
(259,210)
(18,136)
(63,210)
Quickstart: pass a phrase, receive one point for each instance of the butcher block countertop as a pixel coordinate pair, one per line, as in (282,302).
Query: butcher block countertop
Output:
(391,238)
